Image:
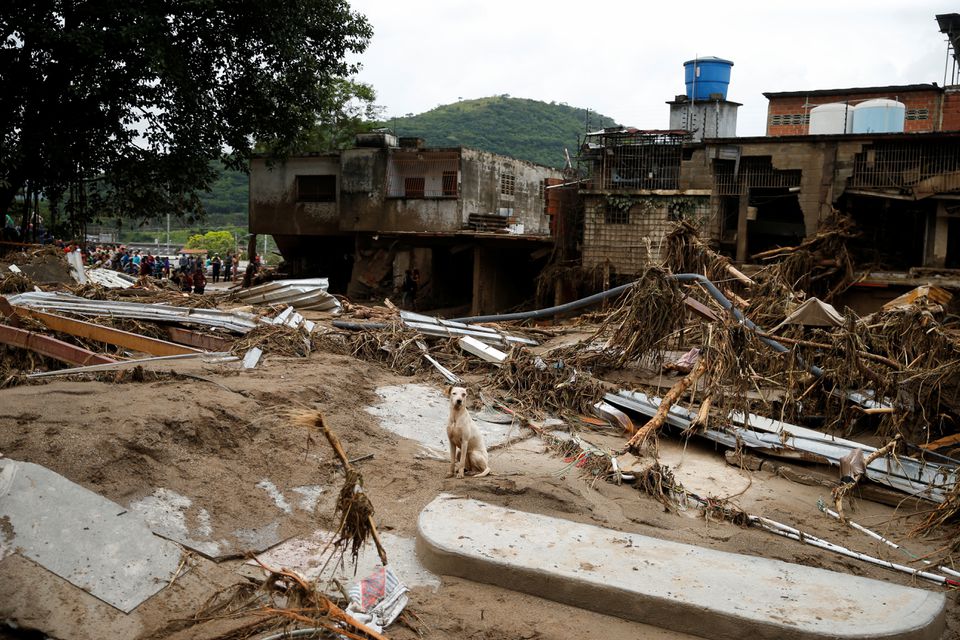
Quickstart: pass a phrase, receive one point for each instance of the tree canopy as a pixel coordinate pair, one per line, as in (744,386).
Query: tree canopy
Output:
(117,107)
(349,108)
(215,242)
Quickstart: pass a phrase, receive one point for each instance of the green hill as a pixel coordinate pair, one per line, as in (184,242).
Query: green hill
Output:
(526,129)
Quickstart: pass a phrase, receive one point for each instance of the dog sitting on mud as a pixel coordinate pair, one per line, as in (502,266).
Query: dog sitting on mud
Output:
(465,438)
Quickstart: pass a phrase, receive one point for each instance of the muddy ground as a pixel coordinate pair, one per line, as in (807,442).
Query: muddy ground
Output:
(224,448)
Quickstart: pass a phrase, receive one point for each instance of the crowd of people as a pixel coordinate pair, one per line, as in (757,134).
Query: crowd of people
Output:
(188,272)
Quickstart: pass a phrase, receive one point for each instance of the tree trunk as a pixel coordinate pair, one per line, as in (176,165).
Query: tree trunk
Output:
(251,254)
(635,444)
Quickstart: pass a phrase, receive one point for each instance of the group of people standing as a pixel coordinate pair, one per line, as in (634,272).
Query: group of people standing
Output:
(192,271)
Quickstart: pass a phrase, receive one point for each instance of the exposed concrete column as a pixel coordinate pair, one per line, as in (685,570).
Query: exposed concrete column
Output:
(482,273)
(937,232)
(742,226)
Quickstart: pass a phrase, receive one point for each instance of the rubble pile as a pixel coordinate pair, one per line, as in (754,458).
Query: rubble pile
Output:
(760,366)
(816,370)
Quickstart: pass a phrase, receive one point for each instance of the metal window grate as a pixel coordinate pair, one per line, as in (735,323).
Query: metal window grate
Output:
(925,166)
(508,184)
(629,159)
(753,171)
(423,174)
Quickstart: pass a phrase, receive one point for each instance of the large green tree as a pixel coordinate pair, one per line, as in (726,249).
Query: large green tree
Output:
(117,107)
(349,108)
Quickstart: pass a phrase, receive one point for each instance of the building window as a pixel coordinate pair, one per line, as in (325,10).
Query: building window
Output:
(789,119)
(317,188)
(413,187)
(542,192)
(616,215)
(917,114)
(450,183)
(508,184)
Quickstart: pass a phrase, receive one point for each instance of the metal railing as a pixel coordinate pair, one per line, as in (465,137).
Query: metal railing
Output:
(628,159)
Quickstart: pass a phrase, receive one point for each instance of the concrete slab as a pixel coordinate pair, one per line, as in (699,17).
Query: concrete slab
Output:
(93,543)
(178,518)
(419,412)
(677,586)
(309,556)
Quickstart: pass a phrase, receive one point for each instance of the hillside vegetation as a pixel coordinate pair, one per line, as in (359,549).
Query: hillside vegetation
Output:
(526,129)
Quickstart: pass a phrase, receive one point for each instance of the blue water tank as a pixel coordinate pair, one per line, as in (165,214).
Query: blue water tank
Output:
(879,116)
(705,76)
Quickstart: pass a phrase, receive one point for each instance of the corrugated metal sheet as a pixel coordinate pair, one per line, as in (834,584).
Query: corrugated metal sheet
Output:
(234,321)
(308,294)
(448,328)
(922,479)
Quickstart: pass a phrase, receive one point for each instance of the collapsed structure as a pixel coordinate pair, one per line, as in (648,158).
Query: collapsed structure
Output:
(848,416)
(475,225)
(889,156)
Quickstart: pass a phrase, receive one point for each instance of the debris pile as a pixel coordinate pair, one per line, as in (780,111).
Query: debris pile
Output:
(817,372)
(111,320)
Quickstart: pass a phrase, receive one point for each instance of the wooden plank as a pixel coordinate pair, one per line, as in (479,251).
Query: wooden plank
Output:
(202,341)
(109,335)
(50,347)
(700,309)
(129,364)
(7,311)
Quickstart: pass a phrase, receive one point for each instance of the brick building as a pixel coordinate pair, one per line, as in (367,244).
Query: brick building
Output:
(929,107)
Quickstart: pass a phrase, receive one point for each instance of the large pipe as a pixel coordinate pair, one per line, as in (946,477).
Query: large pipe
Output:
(549,311)
(703,281)
(359,326)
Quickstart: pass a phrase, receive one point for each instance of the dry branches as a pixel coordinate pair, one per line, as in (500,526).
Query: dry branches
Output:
(542,387)
(277,339)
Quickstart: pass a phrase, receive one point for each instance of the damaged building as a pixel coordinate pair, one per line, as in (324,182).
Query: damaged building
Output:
(475,226)
(888,156)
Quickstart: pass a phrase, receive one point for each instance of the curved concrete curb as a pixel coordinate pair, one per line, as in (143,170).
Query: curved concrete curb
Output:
(691,589)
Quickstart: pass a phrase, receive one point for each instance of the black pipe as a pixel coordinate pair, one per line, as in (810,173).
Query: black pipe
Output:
(703,281)
(359,326)
(549,311)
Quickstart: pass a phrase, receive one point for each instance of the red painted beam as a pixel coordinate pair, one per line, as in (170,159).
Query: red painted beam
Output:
(50,347)
(203,341)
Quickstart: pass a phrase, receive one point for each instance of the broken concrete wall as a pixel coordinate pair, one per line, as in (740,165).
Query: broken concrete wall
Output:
(380,194)
(629,230)
(499,185)
(277,206)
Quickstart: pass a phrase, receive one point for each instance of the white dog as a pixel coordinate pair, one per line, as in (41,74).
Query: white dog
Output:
(464,436)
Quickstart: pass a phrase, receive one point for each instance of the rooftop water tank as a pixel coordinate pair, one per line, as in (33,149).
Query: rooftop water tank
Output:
(832,118)
(879,116)
(706,76)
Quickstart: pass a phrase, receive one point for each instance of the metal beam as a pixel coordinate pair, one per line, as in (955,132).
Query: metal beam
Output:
(109,335)
(50,347)
(202,341)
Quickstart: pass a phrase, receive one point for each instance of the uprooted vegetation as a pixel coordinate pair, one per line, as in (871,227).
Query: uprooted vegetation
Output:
(892,373)
(888,379)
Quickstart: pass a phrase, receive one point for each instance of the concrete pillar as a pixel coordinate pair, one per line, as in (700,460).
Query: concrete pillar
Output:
(742,226)
(481,285)
(937,235)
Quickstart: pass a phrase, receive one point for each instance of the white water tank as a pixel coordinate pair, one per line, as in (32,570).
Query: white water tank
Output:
(879,116)
(832,118)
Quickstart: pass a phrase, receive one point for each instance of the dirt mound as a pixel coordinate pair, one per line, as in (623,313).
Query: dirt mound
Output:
(45,266)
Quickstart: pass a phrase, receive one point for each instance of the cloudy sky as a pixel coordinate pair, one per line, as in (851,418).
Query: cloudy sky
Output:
(625,59)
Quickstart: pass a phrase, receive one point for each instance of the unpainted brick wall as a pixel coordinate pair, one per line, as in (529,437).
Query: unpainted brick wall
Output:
(928,100)
(629,247)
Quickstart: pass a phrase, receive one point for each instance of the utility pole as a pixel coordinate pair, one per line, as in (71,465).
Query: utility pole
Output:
(168,234)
